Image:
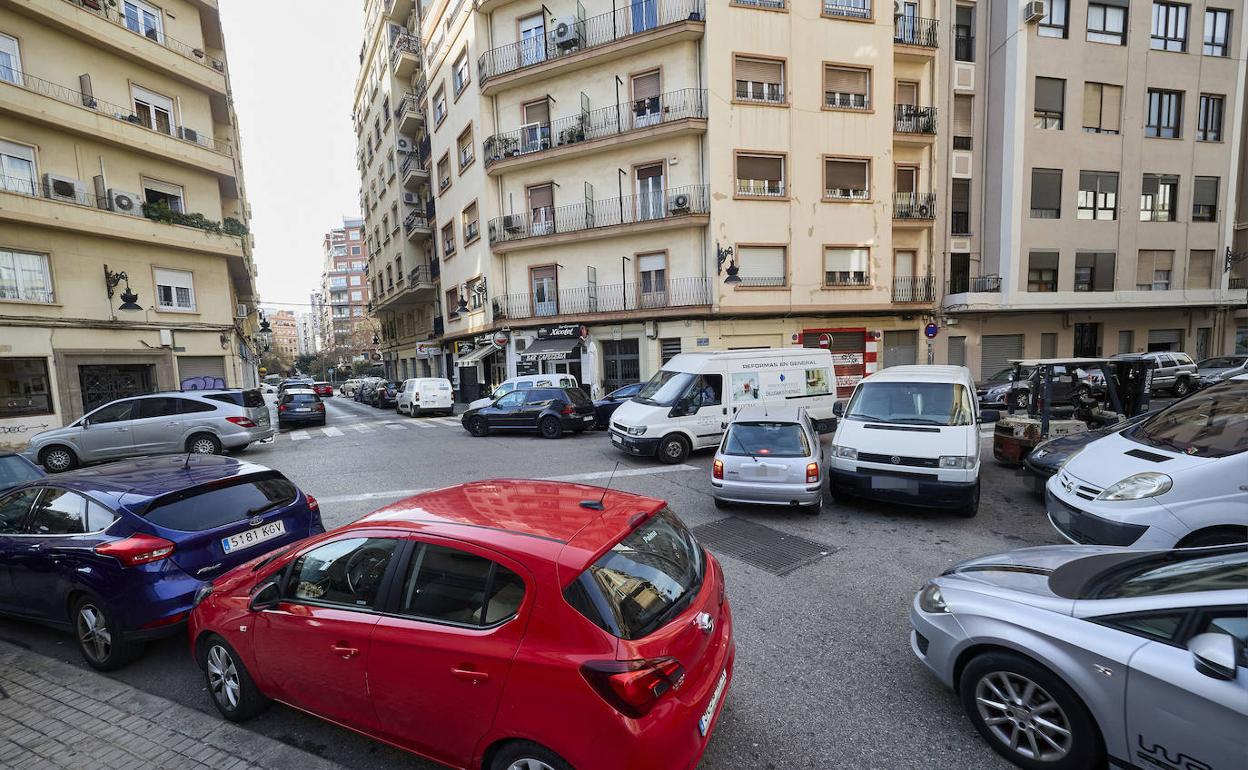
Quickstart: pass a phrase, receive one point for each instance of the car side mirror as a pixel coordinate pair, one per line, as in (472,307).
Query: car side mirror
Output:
(989,416)
(85,423)
(268,597)
(838,408)
(1215,654)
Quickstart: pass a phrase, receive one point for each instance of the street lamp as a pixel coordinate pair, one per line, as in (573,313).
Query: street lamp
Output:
(129,300)
(722,255)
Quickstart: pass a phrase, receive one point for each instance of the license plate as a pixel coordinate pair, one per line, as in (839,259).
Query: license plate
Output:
(255,536)
(588,418)
(704,723)
(888,482)
(303,409)
(617,440)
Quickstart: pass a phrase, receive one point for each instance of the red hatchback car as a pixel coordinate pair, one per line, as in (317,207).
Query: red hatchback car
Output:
(495,625)
(323,389)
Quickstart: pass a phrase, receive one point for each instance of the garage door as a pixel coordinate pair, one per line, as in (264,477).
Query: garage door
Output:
(848,348)
(901,348)
(957,351)
(996,351)
(1165,339)
(201,372)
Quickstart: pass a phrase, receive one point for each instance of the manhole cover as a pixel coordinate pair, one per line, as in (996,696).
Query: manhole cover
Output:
(770,549)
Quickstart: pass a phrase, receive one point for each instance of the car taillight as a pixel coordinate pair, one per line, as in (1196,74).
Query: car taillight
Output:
(318,407)
(313,505)
(717,470)
(812,473)
(632,687)
(241,422)
(137,549)
(281,407)
(568,409)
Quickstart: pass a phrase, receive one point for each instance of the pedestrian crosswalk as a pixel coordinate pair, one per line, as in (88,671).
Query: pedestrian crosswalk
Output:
(333,431)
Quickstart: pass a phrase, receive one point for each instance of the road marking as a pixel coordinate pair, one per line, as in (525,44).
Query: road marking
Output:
(331,431)
(363,428)
(395,426)
(300,435)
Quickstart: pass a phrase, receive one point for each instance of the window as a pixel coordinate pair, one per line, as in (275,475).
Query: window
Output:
(448,240)
(444,172)
(1094,271)
(1209,123)
(1159,197)
(175,289)
(1162,626)
(1217,33)
(760,175)
(355,280)
(157,193)
(14,509)
(1102,108)
(846,88)
(1098,195)
(1046,193)
(1152,270)
(759,80)
(58,512)
(439,107)
(846,266)
(10,61)
(1200,269)
(448,585)
(960,207)
(452,303)
(17,168)
(1205,199)
(357,296)
(24,387)
(846,179)
(652,269)
(1165,114)
(217,506)
(460,73)
(476,293)
(153,110)
(964,33)
(143,19)
(1050,103)
(762,265)
(345,572)
(1055,19)
(1107,23)
(1042,271)
(963,121)
(471,226)
(464,144)
(25,277)
(1169,27)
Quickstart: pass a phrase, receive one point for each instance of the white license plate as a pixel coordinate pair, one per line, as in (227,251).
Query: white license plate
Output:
(588,418)
(704,723)
(255,536)
(887,482)
(617,440)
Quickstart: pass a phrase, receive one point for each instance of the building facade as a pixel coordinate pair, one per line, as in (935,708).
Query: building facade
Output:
(284,328)
(346,330)
(125,260)
(307,324)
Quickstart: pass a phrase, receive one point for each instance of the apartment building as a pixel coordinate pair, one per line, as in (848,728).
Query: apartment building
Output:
(343,301)
(125,260)
(284,342)
(307,324)
(1095,183)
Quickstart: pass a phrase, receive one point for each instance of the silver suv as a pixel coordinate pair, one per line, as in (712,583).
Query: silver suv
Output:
(202,421)
(1172,371)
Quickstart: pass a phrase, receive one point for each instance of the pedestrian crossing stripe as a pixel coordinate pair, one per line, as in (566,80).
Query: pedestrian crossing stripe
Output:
(332,431)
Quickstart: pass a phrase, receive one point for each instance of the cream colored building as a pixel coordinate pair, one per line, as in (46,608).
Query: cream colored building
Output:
(107,113)
(284,327)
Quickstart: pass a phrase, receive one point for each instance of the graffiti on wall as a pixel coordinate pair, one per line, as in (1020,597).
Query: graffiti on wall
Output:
(207,382)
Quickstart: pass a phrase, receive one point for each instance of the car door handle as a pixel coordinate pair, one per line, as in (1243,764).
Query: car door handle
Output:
(346,652)
(476,677)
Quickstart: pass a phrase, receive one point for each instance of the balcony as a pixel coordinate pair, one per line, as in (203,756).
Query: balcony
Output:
(848,9)
(914,206)
(416,225)
(398,10)
(414,170)
(909,119)
(980,284)
(659,116)
(912,288)
(574,43)
(916,32)
(409,112)
(600,300)
(672,208)
(405,55)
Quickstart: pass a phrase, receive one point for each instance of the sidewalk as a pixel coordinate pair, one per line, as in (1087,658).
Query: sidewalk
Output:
(54,715)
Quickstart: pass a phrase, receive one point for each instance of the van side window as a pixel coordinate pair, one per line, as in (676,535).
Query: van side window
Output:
(707,390)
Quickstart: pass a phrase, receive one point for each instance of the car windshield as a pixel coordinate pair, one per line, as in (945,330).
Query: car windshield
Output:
(664,388)
(1173,572)
(1002,376)
(766,439)
(14,470)
(1212,423)
(911,403)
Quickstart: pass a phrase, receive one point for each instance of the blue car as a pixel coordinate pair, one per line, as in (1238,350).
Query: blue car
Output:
(16,469)
(117,552)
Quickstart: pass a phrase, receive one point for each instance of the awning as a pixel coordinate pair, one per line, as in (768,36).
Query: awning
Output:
(477,354)
(557,349)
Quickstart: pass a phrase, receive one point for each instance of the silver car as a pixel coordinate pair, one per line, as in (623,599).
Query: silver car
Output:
(203,421)
(770,456)
(1066,656)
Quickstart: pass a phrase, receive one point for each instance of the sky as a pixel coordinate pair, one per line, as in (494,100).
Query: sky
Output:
(292,69)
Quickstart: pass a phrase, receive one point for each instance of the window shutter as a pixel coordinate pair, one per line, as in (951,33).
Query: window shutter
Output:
(845,80)
(1163,260)
(1206,191)
(761,261)
(1111,108)
(759,70)
(541,197)
(647,263)
(1200,269)
(1046,188)
(845,260)
(1042,260)
(1050,94)
(963,115)
(1148,262)
(537,112)
(845,175)
(646,86)
(758,167)
(1092,105)
(1103,280)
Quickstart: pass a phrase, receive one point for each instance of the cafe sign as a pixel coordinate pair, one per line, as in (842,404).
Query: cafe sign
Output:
(563,332)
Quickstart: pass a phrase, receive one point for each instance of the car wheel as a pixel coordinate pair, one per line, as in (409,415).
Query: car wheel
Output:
(722,505)
(835,492)
(971,507)
(233,692)
(100,640)
(57,459)
(673,449)
(478,427)
(1182,387)
(1215,536)
(203,444)
(1028,715)
(1021,399)
(550,427)
(522,755)
(814,509)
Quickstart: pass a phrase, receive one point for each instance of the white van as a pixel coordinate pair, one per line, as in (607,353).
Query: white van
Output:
(524,382)
(688,404)
(910,435)
(425,394)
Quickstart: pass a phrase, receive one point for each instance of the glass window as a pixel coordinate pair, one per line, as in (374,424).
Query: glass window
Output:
(759,80)
(1162,626)
(99,518)
(143,19)
(665,388)
(846,88)
(1107,24)
(1098,195)
(345,572)
(1102,108)
(1165,114)
(157,407)
(14,470)
(163,194)
(761,265)
(1046,193)
(1159,198)
(24,387)
(13,510)
(1050,107)
(1224,620)
(17,168)
(114,412)
(175,289)
(770,439)
(449,585)
(1205,199)
(25,276)
(911,403)
(845,179)
(187,406)
(10,60)
(510,400)
(760,175)
(1209,122)
(846,266)
(1217,33)
(461,73)
(1173,572)
(58,512)
(1169,27)
(200,509)
(153,110)
(1042,271)
(1212,423)
(1055,19)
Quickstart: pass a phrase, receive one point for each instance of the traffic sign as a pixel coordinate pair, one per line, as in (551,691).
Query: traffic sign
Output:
(930,331)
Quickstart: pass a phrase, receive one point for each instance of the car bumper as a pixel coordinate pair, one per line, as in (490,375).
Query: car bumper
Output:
(731,491)
(643,447)
(936,639)
(245,436)
(920,490)
(300,418)
(1079,525)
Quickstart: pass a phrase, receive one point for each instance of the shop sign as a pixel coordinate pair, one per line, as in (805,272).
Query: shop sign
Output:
(464,348)
(501,339)
(426,349)
(704,342)
(563,331)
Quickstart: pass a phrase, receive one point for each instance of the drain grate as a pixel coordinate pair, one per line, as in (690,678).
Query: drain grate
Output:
(770,549)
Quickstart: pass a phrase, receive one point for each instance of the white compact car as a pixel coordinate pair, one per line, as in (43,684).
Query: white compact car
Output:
(1177,479)
(421,395)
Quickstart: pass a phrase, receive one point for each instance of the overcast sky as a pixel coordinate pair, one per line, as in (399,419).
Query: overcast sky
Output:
(293,68)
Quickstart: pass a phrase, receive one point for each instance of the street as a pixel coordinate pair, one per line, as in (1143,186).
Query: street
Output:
(824,672)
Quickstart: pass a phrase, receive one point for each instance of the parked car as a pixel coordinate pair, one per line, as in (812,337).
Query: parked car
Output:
(300,406)
(1065,657)
(549,411)
(1214,370)
(606,406)
(425,394)
(362,390)
(770,456)
(348,387)
(1174,480)
(1049,456)
(443,624)
(293,382)
(1173,372)
(323,389)
(381,394)
(115,554)
(16,469)
(1000,391)
(524,382)
(995,390)
(202,421)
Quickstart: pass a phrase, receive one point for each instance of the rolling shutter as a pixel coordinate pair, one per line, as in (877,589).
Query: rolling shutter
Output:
(757,167)
(996,352)
(844,80)
(901,348)
(1092,105)
(963,115)
(957,351)
(201,372)
(646,86)
(1165,339)
(1111,108)
(759,70)
(1050,94)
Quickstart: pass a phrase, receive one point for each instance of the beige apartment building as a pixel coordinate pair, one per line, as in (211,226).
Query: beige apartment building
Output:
(1095,183)
(125,263)
(283,327)
(346,330)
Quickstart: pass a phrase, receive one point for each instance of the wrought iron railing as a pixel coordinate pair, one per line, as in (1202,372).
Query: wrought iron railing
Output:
(912,288)
(418,275)
(846,278)
(108,11)
(761,188)
(915,30)
(911,119)
(843,100)
(415,161)
(631,209)
(413,220)
(960,284)
(758,281)
(775,5)
(572,35)
(411,100)
(1235,282)
(963,43)
(914,205)
(850,9)
(596,124)
(611,298)
(404,43)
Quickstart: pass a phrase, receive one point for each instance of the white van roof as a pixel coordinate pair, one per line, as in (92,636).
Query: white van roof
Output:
(692,362)
(923,373)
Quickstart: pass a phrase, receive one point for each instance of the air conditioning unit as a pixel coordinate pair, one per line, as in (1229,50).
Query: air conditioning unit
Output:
(218,65)
(403,144)
(240,310)
(1034,11)
(189,134)
(566,34)
(122,202)
(63,188)
(411,199)
(512,223)
(896,8)
(678,204)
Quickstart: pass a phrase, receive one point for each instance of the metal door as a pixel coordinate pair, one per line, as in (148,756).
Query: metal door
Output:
(1165,339)
(102,383)
(1086,340)
(996,352)
(901,348)
(621,363)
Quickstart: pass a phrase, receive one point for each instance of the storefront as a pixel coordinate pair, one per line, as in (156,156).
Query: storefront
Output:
(555,350)
(481,366)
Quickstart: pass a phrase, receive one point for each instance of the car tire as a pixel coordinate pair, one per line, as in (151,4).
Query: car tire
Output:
(1022,399)
(523,755)
(550,427)
(1206,538)
(58,459)
(673,449)
(203,444)
(722,505)
(836,493)
(1182,387)
(1083,745)
(478,427)
(99,636)
(228,682)
(814,509)
(971,508)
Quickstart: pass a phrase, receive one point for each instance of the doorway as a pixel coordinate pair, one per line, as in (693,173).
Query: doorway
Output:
(1087,340)
(102,383)
(650,192)
(545,283)
(532,39)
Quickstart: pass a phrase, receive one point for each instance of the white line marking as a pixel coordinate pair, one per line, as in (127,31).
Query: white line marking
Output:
(331,431)
(395,426)
(363,428)
(300,435)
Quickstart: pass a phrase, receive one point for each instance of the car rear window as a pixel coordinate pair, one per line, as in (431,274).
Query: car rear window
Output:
(14,470)
(769,439)
(203,508)
(647,578)
(251,398)
(578,396)
(300,398)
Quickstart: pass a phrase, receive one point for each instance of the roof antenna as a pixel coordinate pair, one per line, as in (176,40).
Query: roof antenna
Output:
(596,505)
(186,464)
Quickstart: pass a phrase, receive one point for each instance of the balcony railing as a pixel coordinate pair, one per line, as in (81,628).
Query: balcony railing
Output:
(911,119)
(1235,282)
(123,114)
(410,100)
(418,275)
(775,5)
(963,43)
(606,121)
(960,284)
(846,278)
(404,43)
(580,34)
(414,161)
(914,205)
(914,30)
(413,220)
(912,288)
(757,281)
(850,9)
(631,209)
(846,101)
(761,188)
(960,223)
(612,298)
(108,11)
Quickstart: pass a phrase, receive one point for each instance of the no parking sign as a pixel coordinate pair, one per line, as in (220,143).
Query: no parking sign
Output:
(930,331)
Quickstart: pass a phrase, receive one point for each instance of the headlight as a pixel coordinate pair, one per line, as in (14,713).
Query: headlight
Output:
(957,461)
(1138,487)
(636,430)
(846,452)
(201,593)
(930,599)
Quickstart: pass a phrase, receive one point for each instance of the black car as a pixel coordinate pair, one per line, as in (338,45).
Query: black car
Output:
(606,406)
(1049,456)
(300,407)
(15,469)
(381,394)
(549,411)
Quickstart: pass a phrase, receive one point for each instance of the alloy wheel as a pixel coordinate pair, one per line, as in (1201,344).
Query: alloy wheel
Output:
(93,633)
(57,460)
(525,763)
(223,679)
(204,446)
(1023,716)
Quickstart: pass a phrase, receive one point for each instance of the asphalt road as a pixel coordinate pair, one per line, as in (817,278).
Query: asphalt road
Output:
(825,676)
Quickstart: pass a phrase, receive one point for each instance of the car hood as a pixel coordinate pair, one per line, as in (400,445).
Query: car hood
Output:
(480,403)
(1023,573)
(1115,457)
